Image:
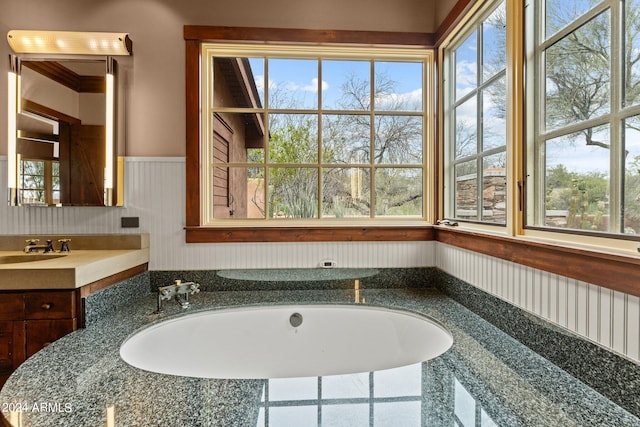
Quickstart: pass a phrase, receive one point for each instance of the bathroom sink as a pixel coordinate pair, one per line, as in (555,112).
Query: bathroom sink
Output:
(15,259)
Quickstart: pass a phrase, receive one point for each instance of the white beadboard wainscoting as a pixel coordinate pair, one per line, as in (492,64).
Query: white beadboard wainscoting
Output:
(155,192)
(604,316)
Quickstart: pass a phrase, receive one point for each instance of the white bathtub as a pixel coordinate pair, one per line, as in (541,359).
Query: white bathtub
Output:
(261,342)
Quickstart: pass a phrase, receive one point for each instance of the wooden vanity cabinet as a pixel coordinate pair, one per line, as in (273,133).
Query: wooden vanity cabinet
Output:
(31,320)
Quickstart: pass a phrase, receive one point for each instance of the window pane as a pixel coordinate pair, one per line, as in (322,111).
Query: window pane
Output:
(346,139)
(346,193)
(559,13)
(632,53)
(238,82)
(293,193)
(398,86)
(494,188)
(398,192)
(466,66)
(577,180)
(346,85)
(293,138)
(466,131)
(32,182)
(494,114)
(466,197)
(632,176)
(293,83)
(398,139)
(55,170)
(578,74)
(238,137)
(494,39)
(238,193)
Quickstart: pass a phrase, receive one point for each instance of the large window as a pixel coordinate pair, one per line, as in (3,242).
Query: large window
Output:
(475,120)
(312,134)
(584,135)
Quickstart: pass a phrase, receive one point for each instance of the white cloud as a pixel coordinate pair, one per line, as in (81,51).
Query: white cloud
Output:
(259,82)
(409,100)
(312,87)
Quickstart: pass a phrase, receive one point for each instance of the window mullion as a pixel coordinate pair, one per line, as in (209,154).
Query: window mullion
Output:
(319,136)
(479,125)
(569,28)
(539,153)
(372,140)
(616,184)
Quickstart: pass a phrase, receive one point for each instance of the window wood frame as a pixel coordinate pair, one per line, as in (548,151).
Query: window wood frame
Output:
(197,233)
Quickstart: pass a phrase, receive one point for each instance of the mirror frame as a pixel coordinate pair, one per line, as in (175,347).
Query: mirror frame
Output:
(114,164)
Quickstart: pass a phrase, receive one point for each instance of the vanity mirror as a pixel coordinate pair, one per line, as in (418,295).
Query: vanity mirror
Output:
(64,148)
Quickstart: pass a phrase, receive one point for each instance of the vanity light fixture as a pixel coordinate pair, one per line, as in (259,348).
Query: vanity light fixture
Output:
(69,42)
(14,105)
(109,131)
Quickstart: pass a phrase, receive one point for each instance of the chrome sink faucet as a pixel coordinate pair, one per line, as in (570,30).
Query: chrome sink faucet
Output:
(179,291)
(32,246)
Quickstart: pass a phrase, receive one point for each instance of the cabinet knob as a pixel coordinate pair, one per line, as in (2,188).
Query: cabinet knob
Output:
(46,306)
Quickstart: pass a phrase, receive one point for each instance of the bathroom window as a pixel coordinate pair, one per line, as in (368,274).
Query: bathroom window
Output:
(475,120)
(583,156)
(313,134)
(39,182)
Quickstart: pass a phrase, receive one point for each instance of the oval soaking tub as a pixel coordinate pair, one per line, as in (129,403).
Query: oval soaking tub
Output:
(285,341)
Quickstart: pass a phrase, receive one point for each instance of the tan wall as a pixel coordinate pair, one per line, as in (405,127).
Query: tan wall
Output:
(155,98)
(442,9)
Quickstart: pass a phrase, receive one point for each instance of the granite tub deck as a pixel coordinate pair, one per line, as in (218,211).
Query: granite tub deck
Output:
(80,379)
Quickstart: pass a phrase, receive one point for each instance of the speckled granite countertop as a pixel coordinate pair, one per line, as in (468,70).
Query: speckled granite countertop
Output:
(485,378)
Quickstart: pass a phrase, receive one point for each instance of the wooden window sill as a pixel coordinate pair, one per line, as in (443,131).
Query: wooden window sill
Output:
(362,233)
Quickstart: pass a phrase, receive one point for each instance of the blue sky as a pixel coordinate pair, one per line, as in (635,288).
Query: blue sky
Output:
(300,76)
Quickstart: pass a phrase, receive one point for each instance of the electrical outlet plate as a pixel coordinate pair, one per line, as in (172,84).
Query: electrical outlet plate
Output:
(328,263)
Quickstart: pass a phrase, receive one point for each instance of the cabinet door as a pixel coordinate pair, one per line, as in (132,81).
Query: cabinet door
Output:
(12,348)
(41,333)
(11,306)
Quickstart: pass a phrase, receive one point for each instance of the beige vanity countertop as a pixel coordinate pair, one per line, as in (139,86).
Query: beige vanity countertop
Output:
(94,258)
(73,270)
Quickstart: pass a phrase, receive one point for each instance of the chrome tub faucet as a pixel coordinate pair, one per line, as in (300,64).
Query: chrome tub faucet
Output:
(179,291)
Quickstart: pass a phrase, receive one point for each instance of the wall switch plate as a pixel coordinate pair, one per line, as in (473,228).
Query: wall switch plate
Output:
(130,222)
